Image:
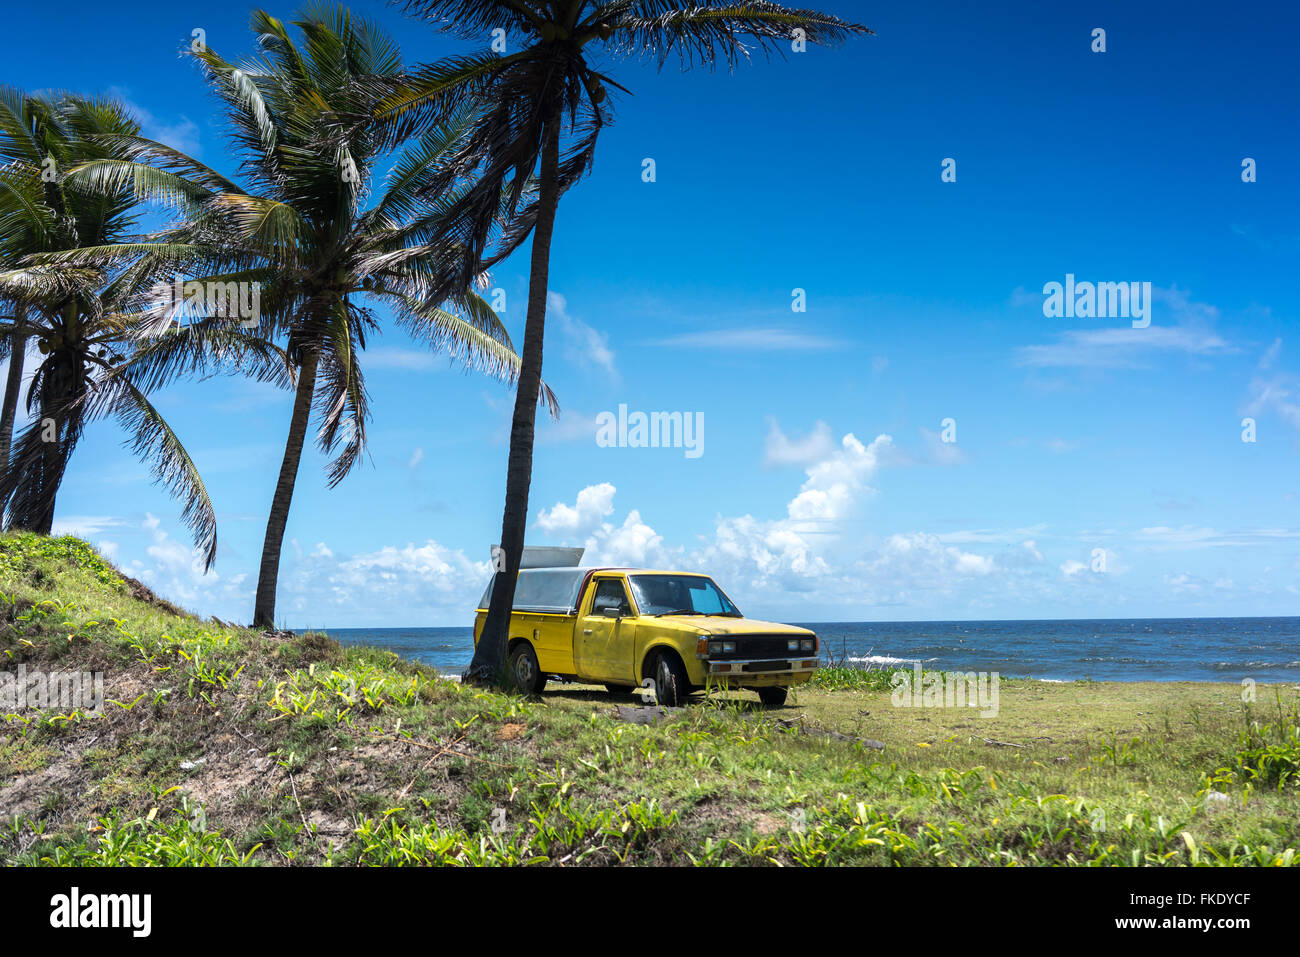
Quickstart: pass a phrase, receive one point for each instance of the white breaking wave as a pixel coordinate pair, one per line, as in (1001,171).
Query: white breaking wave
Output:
(887,660)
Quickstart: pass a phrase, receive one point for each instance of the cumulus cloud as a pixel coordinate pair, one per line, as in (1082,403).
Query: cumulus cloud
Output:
(424,582)
(812,551)
(838,482)
(175,569)
(633,544)
(593,503)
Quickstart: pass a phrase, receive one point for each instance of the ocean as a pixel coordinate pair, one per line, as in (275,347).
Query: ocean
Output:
(1142,649)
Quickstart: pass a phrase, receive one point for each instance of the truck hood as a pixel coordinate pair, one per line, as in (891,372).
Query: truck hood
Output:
(720,625)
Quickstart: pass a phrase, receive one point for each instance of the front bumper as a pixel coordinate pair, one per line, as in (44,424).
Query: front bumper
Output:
(756,672)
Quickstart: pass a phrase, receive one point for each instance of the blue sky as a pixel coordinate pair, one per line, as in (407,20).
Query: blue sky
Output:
(825,490)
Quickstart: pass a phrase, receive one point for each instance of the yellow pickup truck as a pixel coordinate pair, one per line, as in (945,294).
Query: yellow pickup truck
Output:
(672,632)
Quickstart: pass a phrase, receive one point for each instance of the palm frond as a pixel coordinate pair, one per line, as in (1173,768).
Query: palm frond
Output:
(152,439)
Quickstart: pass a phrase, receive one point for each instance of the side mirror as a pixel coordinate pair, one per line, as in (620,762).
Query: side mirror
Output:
(609,612)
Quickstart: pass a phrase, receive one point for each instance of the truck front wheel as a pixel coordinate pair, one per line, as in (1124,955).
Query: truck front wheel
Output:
(772,697)
(671,683)
(524,670)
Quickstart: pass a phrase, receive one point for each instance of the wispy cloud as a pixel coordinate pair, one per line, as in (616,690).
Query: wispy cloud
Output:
(1278,393)
(85,526)
(1121,348)
(411,360)
(181,134)
(779,449)
(764,340)
(584,344)
(1166,538)
(1181,326)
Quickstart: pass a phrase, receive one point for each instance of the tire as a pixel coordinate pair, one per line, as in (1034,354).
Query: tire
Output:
(525,673)
(772,697)
(671,683)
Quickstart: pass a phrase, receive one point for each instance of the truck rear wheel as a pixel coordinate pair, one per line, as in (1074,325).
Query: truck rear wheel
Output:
(772,697)
(524,670)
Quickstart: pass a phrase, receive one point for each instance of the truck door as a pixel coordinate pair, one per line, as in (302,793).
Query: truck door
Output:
(604,643)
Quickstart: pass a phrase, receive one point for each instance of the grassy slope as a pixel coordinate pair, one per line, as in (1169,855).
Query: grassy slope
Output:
(223,745)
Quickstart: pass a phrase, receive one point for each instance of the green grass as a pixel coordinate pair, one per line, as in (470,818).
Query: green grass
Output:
(222,746)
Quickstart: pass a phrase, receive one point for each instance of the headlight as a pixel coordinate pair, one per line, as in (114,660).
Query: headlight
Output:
(728,647)
(792,644)
(715,647)
(807,644)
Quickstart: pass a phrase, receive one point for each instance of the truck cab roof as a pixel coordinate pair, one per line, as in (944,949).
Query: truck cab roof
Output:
(556,591)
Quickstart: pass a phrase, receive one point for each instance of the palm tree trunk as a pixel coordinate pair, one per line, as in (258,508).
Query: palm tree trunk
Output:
(63,392)
(269,574)
(488,664)
(13,385)
(52,461)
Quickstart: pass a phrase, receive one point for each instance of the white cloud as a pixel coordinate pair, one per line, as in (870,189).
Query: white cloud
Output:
(426,582)
(409,360)
(764,340)
(1184,537)
(181,134)
(85,526)
(633,544)
(1179,326)
(1270,354)
(1278,393)
(572,426)
(939,452)
(583,344)
(593,503)
(837,482)
(781,450)
(1121,348)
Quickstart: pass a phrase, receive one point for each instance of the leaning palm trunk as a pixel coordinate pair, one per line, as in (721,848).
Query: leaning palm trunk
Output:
(488,664)
(547,81)
(39,460)
(14,383)
(268,575)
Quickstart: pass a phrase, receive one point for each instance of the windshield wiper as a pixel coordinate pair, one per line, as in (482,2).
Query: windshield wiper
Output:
(679,611)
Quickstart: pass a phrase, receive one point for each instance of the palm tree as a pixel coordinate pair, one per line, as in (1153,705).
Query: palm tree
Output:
(544,106)
(303,119)
(84,318)
(29,136)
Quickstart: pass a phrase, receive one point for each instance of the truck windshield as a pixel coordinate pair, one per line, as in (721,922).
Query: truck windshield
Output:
(680,595)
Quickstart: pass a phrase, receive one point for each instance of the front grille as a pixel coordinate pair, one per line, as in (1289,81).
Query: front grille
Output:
(755,646)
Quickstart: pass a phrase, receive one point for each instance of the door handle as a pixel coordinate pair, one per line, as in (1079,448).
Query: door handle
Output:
(586,631)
